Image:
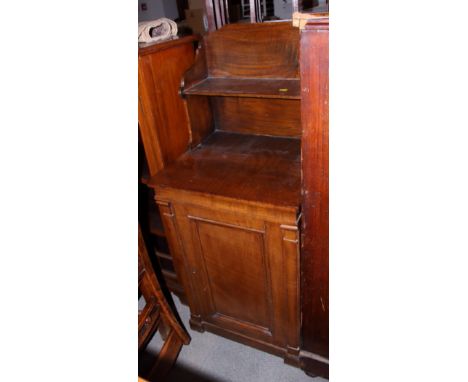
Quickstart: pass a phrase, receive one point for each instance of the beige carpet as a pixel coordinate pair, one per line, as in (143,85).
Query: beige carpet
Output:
(210,358)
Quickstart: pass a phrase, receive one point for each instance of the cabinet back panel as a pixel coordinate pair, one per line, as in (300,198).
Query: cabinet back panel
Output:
(263,50)
(276,117)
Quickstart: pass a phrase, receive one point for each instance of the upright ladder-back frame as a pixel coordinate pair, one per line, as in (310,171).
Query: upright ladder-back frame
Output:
(217,12)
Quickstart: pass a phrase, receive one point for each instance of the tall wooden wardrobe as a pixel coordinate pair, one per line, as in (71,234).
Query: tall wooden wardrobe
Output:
(244,208)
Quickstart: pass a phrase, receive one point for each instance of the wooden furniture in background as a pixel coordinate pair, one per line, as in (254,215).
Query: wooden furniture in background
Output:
(217,11)
(157,312)
(314,262)
(163,132)
(231,204)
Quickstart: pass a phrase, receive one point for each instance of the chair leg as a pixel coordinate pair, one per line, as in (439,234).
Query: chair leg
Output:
(167,356)
(164,329)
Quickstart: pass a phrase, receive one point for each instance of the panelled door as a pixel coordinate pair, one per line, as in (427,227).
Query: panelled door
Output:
(236,266)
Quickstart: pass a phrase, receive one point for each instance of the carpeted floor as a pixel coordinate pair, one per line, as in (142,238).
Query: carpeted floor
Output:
(210,358)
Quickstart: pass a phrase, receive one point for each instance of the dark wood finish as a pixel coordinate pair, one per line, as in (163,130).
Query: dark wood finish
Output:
(314,262)
(267,50)
(264,67)
(163,125)
(162,117)
(230,205)
(157,314)
(198,71)
(276,117)
(241,263)
(155,224)
(246,167)
(201,119)
(231,54)
(151,223)
(247,87)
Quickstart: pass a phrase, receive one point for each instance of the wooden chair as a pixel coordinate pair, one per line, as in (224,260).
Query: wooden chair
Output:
(157,314)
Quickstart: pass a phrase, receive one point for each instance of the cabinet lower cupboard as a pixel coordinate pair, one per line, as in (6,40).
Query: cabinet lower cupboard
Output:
(240,257)
(242,270)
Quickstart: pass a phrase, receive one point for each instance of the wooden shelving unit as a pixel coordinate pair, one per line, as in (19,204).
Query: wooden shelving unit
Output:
(230,205)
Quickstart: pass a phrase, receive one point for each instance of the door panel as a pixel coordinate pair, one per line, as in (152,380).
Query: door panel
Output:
(230,263)
(235,264)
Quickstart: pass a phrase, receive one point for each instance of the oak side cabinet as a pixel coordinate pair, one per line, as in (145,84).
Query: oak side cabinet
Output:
(230,205)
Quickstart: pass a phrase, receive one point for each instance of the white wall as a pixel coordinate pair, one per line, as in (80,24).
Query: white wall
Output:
(157,9)
(170,9)
(283,9)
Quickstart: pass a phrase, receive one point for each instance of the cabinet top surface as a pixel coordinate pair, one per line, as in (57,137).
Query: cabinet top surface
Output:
(253,168)
(149,48)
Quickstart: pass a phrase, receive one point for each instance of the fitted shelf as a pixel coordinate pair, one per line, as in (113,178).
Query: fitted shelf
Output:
(281,88)
(246,167)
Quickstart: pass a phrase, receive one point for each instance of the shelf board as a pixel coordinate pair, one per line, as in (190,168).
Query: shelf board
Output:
(247,87)
(257,168)
(169,274)
(163,255)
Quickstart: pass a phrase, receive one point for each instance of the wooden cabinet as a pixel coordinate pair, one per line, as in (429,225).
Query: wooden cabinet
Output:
(242,269)
(230,205)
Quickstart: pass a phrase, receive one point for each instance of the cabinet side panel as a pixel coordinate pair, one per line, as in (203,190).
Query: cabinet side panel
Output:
(174,239)
(162,116)
(201,118)
(314,262)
